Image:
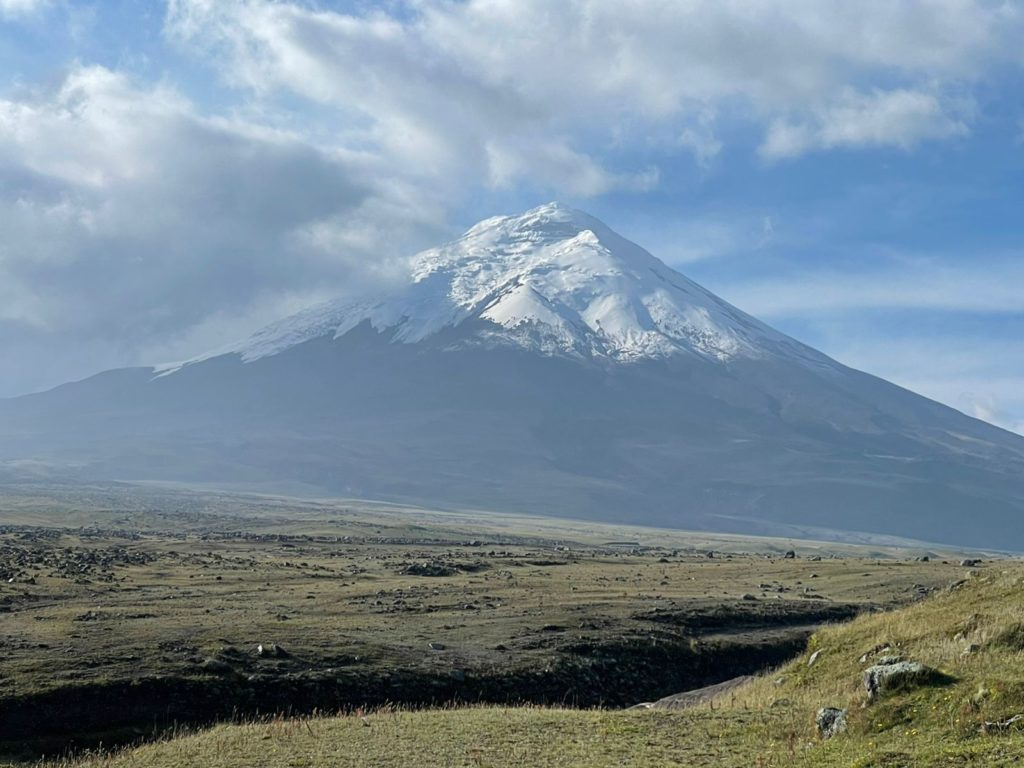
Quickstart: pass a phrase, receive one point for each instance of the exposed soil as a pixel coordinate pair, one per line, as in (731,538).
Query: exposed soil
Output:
(77,717)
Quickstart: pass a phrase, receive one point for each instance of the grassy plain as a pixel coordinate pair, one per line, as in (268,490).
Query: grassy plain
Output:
(118,601)
(973,634)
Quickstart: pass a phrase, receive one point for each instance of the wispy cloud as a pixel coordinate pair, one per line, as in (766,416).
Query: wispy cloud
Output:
(900,118)
(21,8)
(922,285)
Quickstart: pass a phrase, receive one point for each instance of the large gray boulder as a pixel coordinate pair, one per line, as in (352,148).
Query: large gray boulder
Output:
(893,675)
(830,721)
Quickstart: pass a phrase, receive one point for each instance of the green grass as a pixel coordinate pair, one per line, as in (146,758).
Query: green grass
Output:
(191,577)
(765,723)
(464,737)
(325,581)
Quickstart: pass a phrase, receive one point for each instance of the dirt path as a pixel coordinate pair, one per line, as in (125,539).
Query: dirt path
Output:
(693,698)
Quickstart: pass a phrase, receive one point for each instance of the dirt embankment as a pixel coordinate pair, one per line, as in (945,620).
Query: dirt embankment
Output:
(618,674)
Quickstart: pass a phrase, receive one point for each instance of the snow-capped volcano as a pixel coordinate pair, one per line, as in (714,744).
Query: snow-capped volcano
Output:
(541,363)
(553,280)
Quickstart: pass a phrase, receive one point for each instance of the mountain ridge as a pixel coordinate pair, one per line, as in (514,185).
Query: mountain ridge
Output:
(443,394)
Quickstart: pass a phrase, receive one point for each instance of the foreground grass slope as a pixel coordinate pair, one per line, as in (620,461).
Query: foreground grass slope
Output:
(973,632)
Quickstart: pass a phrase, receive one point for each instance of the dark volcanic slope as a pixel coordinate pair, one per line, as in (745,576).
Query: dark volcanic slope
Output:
(474,415)
(672,442)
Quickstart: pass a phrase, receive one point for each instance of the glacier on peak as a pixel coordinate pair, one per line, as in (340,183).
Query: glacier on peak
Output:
(553,280)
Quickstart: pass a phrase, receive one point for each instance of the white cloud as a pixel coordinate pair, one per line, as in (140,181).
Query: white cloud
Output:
(14,8)
(554,164)
(452,86)
(130,220)
(900,118)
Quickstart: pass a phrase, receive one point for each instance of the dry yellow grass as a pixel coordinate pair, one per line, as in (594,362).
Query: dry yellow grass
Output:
(974,634)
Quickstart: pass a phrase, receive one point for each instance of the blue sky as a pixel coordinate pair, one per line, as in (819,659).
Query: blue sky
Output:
(173,175)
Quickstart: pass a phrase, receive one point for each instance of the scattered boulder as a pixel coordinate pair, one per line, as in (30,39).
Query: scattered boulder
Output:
(830,721)
(1016,721)
(881,647)
(969,563)
(790,555)
(892,674)
(270,651)
(749,596)
(437,646)
(433,568)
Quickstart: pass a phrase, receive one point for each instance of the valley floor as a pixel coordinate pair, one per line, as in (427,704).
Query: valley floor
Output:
(126,610)
(974,635)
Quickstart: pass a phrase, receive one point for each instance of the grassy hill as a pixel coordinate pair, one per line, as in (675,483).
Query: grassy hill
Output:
(972,633)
